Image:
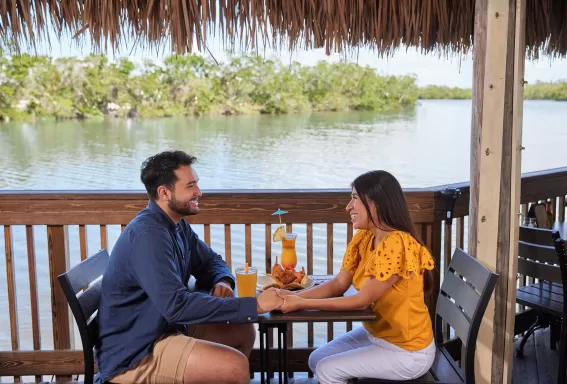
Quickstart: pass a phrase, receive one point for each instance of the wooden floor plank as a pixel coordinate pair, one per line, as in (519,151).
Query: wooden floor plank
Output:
(547,359)
(524,371)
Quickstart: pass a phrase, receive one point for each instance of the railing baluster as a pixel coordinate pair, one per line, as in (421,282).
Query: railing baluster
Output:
(289,228)
(208,234)
(12,298)
(349,233)
(248,243)
(460,235)
(447,247)
(431,234)
(309,241)
(83,243)
(34,303)
(58,254)
(227,246)
(329,270)
(103,237)
(268,236)
(268,239)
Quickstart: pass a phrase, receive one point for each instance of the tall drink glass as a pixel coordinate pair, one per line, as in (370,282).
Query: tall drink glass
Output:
(246,280)
(289,255)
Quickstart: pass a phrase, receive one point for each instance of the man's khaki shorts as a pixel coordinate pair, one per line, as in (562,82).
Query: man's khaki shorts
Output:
(166,364)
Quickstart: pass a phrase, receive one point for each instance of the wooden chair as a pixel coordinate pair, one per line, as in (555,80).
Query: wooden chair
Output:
(84,304)
(541,255)
(461,303)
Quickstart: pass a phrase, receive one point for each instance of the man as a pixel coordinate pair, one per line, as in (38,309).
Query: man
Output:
(148,317)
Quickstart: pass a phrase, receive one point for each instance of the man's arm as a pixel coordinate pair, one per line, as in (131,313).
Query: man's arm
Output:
(207,266)
(156,269)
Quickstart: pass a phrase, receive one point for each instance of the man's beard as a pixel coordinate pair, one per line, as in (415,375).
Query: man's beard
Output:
(183,209)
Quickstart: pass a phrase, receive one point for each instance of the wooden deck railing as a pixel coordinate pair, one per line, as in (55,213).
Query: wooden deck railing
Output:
(47,232)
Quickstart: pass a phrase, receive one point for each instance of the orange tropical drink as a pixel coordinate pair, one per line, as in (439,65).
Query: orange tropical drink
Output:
(289,256)
(246,280)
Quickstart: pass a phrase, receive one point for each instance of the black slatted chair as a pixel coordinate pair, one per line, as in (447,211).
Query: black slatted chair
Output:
(84,303)
(541,255)
(461,303)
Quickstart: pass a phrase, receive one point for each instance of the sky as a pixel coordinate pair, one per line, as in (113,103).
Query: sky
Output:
(430,69)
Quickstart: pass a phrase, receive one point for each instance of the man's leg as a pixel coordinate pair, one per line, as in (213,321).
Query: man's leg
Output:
(179,359)
(238,336)
(216,363)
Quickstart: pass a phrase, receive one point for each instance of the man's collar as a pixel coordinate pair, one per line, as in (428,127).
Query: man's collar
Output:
(154,208)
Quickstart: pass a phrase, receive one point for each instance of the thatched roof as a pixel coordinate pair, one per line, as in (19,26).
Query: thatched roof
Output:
(385,25)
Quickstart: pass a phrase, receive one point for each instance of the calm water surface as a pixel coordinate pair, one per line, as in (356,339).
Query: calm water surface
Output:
(430,146)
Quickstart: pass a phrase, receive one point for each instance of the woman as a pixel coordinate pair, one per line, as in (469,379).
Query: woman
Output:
(391,269)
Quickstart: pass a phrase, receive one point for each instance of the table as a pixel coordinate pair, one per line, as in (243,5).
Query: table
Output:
(281,320)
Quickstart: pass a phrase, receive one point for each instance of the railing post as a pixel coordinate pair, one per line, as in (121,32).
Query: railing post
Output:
(450,195)
(58,253)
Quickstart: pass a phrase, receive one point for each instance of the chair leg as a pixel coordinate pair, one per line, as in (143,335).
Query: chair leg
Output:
(553,334)
(541,322)
(562,376)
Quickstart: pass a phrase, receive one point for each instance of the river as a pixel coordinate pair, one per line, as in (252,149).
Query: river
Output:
(429,146)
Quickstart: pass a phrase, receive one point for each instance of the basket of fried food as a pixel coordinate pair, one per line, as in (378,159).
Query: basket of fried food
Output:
(288,278)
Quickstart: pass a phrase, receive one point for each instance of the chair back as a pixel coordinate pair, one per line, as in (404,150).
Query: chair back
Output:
(463,298)
(537,254)
(82,287)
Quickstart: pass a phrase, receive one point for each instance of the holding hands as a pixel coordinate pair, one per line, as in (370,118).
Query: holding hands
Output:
(282,299)
(291,302)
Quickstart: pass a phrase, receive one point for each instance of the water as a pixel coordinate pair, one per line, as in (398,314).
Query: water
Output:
(430,146)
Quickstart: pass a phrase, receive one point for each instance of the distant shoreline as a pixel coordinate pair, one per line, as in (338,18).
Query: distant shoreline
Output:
(39,87)
(556,91)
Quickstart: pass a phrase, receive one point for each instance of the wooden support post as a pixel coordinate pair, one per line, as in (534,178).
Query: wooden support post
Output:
(495,173)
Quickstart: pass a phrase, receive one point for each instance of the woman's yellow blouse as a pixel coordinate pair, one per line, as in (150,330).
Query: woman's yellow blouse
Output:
(402,316)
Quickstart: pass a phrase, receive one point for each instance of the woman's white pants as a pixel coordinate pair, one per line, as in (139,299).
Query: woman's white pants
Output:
(357,354)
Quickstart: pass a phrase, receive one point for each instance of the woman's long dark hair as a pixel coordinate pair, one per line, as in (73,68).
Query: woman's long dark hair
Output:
(392,211)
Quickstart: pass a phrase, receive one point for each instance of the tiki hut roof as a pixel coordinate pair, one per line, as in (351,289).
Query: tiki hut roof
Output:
(442,26)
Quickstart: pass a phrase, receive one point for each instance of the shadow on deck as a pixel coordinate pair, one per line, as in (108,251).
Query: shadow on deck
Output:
(539,366)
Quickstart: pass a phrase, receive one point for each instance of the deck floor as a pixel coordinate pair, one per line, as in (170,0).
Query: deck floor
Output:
(539,365)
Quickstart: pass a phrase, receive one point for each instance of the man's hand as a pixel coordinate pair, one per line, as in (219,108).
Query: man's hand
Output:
(222,289)
(291,302)
(268,301)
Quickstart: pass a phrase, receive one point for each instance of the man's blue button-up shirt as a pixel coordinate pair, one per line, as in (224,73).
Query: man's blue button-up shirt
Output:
(145,294)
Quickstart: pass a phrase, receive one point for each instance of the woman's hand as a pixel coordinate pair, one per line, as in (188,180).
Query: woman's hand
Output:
(291,303)
(285,292)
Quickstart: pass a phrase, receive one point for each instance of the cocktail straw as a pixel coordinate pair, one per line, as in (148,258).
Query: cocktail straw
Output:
(246,268)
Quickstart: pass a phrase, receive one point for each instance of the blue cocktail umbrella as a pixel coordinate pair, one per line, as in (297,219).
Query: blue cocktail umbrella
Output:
(279,212)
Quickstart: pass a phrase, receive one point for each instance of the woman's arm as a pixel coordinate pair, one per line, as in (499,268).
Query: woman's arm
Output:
(337,286)
(371,291)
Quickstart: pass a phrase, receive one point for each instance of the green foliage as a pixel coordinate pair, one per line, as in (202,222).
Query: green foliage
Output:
(440,92)
(38,86)
(538,91)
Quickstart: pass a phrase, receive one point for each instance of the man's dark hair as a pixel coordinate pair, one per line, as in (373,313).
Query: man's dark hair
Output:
(158,170)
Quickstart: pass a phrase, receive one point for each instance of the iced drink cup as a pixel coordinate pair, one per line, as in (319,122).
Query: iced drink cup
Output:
(246,280)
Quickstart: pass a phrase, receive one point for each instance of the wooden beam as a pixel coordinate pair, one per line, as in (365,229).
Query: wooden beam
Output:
(217,207)
(515,147)
(71,362)
(495,179)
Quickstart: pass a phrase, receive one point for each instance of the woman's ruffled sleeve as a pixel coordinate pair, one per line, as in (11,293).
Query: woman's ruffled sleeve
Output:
(399,254)
(351,259)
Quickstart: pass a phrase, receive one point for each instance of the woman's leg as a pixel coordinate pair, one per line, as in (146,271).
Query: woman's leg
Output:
(356,338)
(376,361)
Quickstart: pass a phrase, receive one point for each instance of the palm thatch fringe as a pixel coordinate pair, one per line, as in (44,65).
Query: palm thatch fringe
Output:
(442,26)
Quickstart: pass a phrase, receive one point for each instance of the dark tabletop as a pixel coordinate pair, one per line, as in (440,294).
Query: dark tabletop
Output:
(316,315)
